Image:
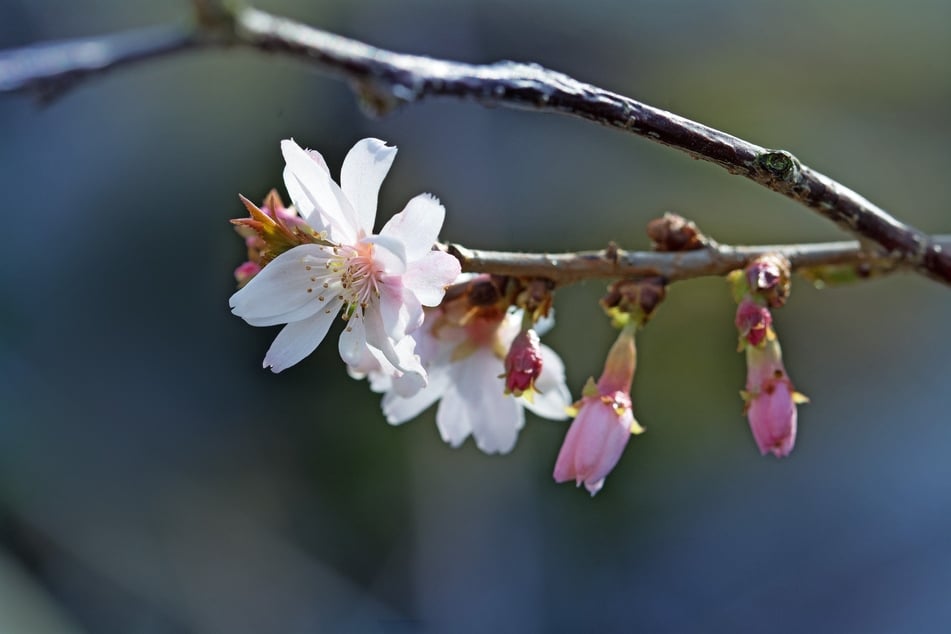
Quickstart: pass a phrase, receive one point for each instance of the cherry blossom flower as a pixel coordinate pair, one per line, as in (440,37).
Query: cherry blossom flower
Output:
(604,421)
(463,353)
(377,282)
(770,398)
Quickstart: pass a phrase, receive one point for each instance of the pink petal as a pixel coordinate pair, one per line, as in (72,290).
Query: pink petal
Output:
(614,443)
(565,463)
(364,169)
(429,275)
(601,441)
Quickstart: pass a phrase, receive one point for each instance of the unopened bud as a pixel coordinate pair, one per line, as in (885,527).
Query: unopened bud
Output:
(672,232)
(770,399)
(523,363)
(768,277)
(753,322)
(635,300)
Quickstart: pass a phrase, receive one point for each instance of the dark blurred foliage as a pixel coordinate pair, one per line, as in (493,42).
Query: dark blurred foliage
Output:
(153,479)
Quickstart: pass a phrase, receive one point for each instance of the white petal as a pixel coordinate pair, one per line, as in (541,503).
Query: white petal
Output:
(318,158)
(280,287)
(400,311)
(417,226)
(453,418)
(380,383)
(552,396)
(353,341)
(297,340)
(316,191)
(408,384)
(401,357)
(302,202)
(399,409)
(383,376)
(546,323)
(475,401)
(303,312)
(428,276)
(388,253)
(362,173)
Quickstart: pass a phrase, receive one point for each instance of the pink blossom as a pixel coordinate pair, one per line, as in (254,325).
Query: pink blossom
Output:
(604,422)
(770,399)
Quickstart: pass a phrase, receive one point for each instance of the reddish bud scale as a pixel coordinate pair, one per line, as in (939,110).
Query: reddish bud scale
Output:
(768,278)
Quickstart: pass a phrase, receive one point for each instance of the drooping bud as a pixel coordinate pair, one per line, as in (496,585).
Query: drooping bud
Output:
(523,364)
(770,399)
(604,421)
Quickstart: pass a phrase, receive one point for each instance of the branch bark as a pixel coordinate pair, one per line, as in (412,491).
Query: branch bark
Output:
(823,262)
(384,80)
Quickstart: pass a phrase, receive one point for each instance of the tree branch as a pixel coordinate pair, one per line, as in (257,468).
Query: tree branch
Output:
(384,80)
(822,262)
(50,69)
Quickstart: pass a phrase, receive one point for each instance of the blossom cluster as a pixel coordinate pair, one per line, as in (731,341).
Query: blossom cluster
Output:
(420,332)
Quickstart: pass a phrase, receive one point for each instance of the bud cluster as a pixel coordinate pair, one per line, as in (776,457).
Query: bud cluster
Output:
(769,398)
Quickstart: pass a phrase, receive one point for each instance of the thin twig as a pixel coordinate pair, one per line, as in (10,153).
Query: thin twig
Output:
(384,80)
(50,69)
(820,261)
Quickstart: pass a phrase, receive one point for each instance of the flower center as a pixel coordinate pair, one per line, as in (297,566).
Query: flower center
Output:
(350,273)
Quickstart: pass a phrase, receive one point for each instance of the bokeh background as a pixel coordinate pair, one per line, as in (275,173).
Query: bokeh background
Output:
(154,479)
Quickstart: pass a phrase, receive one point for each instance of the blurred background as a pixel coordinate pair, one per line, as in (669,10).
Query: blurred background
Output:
(154,479)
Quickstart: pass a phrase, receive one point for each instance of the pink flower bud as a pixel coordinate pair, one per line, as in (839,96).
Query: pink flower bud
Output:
(245,272)
(752,322)
(770,399)
(604,422)
(523,363)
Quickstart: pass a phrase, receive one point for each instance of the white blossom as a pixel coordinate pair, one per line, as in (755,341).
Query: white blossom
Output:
(379,282)
(466,370)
